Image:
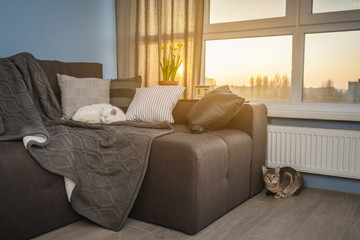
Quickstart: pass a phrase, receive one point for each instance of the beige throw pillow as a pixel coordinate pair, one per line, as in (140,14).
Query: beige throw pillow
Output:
(214,110)
(79,92)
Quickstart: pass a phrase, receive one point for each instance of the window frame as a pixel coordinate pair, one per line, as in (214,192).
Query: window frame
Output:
(287,20)
(297,23)
(308,17)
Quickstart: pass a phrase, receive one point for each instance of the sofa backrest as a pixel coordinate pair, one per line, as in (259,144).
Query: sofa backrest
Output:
(75,69)
(86,69)
(181,109)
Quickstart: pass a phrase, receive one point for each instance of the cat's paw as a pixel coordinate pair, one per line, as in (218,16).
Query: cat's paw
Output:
(283,195)
(269,193)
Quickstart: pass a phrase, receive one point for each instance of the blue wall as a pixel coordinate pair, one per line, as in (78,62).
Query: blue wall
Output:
(65,30)
(332,183)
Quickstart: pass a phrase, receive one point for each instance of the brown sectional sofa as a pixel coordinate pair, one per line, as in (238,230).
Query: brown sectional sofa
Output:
(192,179)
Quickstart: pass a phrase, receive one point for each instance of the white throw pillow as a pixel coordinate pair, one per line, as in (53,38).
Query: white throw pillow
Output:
(154,104)
(79,92)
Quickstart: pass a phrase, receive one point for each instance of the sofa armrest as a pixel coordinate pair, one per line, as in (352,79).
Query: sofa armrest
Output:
(252,119)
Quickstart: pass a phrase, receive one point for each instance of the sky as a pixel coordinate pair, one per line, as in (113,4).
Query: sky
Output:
(320,6)
(334,56)
(235,61)
(238,10)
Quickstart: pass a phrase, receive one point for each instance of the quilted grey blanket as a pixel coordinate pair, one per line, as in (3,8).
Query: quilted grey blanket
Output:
(107,163)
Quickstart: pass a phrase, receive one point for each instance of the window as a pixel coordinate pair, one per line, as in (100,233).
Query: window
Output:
(248,66)
(300,57)
(322,6)
(332,67)
(241,10)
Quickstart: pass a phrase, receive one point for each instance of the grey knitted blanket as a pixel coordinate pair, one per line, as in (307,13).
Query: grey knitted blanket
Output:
(107,163)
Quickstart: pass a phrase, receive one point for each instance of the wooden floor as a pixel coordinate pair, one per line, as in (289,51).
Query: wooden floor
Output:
(314,214)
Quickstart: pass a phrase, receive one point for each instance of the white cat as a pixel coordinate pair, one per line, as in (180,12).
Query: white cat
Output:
(99,113)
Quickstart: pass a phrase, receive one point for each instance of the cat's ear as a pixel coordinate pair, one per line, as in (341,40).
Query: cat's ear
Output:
(264,169)
(113,111)
(277,170)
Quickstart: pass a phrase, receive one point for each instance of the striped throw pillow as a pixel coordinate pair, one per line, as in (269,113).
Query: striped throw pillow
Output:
(122,91)
(154,104)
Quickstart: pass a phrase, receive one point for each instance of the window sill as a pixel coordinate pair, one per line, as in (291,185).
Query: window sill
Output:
(320,111)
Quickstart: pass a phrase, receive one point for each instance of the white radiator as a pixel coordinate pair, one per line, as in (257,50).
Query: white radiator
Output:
(315,150)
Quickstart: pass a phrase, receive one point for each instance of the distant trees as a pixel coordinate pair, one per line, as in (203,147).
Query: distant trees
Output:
(265,81)
(325,93)
(279,88)
(251,82)
(263,88)
(328,84)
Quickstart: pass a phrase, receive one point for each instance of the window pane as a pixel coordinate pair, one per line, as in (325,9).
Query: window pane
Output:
(240,10)
(332,67)
(321,6)
(254,68)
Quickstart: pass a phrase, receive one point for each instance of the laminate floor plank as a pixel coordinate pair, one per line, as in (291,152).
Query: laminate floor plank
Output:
(353,230)
(128,232)
(163,233)
(314,214)
(83,229)
(238,222)
(142,225)
(271,229)
(299,208)
(331,218)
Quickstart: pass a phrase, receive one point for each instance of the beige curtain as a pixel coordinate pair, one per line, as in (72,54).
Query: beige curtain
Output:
(144,25)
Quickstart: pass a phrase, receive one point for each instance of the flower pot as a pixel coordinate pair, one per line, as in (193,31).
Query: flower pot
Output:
(168,83)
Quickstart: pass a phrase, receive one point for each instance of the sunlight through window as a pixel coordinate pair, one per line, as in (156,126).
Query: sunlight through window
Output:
(255,68)
(332,67)
(242,10)
(322,6)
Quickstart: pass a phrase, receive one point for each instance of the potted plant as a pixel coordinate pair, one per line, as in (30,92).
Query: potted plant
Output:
(170,63)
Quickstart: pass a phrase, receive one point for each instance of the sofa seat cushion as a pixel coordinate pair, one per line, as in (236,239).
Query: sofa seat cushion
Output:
(193,179)
(33,200)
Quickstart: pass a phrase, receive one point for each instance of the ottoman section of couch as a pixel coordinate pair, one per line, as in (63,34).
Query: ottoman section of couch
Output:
(193,179)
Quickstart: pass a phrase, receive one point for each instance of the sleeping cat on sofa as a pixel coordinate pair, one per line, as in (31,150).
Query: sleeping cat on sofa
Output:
(99,113)
(282,182)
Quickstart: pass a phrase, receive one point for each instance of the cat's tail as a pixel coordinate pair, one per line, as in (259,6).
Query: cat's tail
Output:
(301,183)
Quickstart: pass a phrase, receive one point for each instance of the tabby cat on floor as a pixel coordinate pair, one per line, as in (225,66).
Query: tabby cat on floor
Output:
(282,182)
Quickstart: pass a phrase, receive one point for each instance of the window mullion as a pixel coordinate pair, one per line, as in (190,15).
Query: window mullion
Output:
(297,66)
(297,60)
